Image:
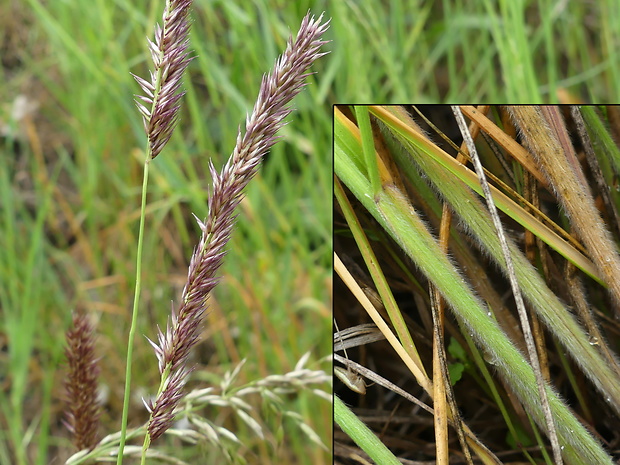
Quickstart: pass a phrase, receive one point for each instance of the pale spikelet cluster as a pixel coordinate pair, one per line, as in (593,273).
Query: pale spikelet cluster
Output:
(170,58)
(81,383)
(277,90)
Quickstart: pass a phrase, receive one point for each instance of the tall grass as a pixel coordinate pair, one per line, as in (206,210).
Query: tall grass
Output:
(451,51)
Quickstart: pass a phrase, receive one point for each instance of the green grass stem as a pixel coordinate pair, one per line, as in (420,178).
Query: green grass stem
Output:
(362,435)
(134,311)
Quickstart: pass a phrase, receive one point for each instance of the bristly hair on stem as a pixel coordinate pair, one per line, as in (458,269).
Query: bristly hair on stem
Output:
(170,58)
(81,383)
(277,90)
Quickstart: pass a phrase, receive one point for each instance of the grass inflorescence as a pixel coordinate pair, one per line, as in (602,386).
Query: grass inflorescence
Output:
(82,383)
(278,88)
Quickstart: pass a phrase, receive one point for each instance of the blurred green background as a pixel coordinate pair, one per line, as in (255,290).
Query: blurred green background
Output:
(70,177)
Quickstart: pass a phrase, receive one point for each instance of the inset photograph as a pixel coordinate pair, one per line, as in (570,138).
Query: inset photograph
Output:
(477,284)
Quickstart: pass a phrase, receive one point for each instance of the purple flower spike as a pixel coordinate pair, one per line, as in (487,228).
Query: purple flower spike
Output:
(160,106)
(276,92)
(81,383)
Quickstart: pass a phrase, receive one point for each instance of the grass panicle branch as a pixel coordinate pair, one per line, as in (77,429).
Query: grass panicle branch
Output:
(81,383)
(272,106)
(170,58)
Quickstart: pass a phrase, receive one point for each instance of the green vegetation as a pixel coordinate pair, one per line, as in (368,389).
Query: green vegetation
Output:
(70,203)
